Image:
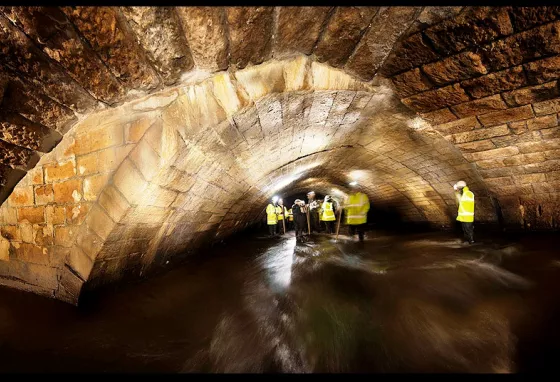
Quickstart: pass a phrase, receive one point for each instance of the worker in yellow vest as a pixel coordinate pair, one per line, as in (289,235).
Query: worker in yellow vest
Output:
(328,213)
(290,219)
(271,217)
(465,215)
(282,213)
(357,207)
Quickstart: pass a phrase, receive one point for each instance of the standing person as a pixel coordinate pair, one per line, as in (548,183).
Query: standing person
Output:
(465,215)
(313,207)
(357,207)
(328,216)
(271,217)
(300,219)
(282,213)
(290,219)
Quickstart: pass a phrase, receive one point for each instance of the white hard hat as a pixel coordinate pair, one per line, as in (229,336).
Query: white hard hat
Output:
(460,184)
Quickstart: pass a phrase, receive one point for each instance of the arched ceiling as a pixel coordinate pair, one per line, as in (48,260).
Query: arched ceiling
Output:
(146,132)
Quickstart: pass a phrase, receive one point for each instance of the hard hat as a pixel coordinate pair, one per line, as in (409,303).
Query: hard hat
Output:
(460,184)
(311,192)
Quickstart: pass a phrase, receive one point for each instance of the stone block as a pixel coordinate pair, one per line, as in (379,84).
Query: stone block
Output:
(458,126)
(479,134)
(33,215)
(531,94)
(529,178)
(547,107)
(55,215)
(250,34)
(480,106)
(8,215)
(472,28)
(87,164)
(528,17)
(552,154)
(93,186)
(523,159)
(477,146)
(146,160)
(298,28)
(129,181)
(494,83)
(411,82)
(492,154)
(135,130)
(546,121)
(437,99)
(109,159)
(455,68)
(505,116)
(107,136)
(114,203)
(21,196)
(342,33)
(59,171)
(4,249)
(407,54)
(10,232)
(207,36)
(519,127)
(377,43)
(544,70)
(44,194)
(30,253)
(543,145)
(64,236)
(68,192)
(76,213)
(523,47)
(99,222)
(439,116)
(79,262)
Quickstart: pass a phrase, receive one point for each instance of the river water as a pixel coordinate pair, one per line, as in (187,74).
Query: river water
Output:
(395,303)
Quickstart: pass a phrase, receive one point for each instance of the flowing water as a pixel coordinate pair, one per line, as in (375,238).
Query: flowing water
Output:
(396,303)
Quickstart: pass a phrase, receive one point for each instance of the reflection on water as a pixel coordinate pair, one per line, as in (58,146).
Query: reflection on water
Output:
(416,303)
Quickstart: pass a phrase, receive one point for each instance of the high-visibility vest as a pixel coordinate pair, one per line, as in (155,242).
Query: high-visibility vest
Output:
(328,212)
(357,208)
(466,206)
(279,212)
(271,217)
(290,215)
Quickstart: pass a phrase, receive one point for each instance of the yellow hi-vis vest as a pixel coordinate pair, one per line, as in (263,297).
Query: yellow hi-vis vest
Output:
(279,212)
(328,212)
(466,206)
(357,208)
(271,218)
(290,215)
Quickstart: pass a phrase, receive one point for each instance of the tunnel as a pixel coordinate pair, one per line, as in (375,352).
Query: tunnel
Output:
(135,140)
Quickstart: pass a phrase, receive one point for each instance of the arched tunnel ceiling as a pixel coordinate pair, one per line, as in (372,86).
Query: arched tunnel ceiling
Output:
(146,132)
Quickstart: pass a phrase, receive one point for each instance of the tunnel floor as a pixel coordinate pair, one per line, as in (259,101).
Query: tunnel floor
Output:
(395,303)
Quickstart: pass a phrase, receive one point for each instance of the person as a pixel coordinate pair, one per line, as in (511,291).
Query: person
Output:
(300,219)
(328,215)
(290,219)
(271,217)
(465,215)
(281,212)
(313,207)
(357,207)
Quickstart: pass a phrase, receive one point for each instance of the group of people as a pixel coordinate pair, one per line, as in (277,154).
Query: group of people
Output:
(314,215)
(307,217)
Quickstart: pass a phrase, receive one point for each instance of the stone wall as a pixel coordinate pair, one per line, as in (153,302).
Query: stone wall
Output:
(487,80)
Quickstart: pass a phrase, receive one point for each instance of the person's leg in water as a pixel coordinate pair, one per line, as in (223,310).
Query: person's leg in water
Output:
(271,229)
(468,230)
(361,232)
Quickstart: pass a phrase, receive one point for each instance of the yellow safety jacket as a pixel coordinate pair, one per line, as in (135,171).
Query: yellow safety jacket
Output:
(466,206)
(290,215)
(357,208)
(271,218)
(279,212)
(328,212)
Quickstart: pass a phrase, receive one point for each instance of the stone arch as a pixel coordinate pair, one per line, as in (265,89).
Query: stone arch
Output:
(489,119)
